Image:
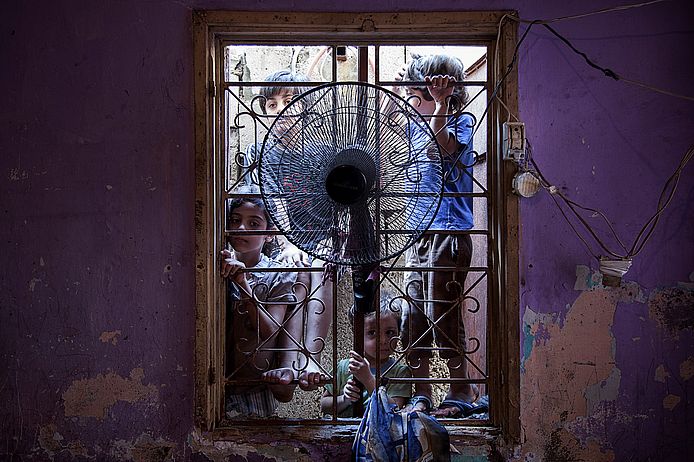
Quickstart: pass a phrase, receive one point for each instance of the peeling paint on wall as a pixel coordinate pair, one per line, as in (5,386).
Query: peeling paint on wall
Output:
(223,451)
(583,372)
(144,449)
(561,446)
(687,369)
(672,308)
(93,397)
(110,336)
(32,283)
(52,443)
(606,390)
(595,427)
(585,279)
(571,416)
(560,416)
(670,401)
(661,374)
(535,331)
(49,439)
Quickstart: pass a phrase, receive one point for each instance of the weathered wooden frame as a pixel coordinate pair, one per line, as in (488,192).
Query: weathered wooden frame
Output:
(212,27)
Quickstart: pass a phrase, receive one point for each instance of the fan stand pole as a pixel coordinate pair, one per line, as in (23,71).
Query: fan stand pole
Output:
(358,345)
(364,291)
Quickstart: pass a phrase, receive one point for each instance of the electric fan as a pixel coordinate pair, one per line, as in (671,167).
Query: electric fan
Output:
(351,174)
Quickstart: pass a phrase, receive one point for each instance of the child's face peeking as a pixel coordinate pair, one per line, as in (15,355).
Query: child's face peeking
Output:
(286,128)
(374,342)
(279,101)
(248,217)
(424,104)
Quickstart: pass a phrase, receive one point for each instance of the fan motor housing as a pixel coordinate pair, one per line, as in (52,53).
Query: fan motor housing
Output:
(350,176)
(356,178)
(346,184)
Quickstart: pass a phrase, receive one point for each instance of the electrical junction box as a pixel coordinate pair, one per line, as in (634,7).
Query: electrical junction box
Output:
(514,141)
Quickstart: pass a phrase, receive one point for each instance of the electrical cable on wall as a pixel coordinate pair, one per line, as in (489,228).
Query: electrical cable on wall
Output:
(612,264)
(617,263)
(607,72)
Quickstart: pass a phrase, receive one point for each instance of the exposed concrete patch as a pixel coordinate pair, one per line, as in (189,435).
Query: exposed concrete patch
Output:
(144,449)
(670,401)
(93,397)
(223,451)
(111,336)
(571,416)
(50,440)
(661,374)
(687,368)
(672,308)
(606,390)
(77,449)
(584,375)
(147,449)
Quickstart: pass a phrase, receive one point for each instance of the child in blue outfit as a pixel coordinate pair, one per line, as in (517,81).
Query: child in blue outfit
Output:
(441,102)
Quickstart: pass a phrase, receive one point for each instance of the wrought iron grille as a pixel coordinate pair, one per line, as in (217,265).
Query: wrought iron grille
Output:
(244,126)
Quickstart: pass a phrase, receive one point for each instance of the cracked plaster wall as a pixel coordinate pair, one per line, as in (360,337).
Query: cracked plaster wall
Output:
(96,195)
(588,406)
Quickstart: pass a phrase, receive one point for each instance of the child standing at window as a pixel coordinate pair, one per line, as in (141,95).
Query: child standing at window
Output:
(441,103)
(256,307)
(272,99)
(319,295)
(360,367)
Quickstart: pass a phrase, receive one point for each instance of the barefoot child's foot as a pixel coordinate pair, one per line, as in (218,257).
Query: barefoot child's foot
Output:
(280,383)
(311,380)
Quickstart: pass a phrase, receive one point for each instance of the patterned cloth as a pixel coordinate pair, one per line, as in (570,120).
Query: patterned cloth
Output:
(260,403)
(388,436)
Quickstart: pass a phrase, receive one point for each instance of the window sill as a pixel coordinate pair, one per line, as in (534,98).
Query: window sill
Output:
(337,434)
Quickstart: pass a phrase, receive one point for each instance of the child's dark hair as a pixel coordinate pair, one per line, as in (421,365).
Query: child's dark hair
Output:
(388,306)
(431,65)
(284,75)
(270,248)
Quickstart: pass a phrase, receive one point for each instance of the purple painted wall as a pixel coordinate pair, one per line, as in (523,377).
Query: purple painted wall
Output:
(97,190)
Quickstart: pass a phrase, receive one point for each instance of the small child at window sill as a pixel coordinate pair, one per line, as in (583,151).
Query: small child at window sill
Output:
(358,367)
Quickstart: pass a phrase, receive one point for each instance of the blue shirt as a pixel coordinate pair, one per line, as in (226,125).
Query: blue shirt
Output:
(455,213)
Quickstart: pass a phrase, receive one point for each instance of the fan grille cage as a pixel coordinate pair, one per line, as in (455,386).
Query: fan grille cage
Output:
(383,137)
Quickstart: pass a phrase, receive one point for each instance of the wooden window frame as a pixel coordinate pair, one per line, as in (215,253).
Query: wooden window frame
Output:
(210,28)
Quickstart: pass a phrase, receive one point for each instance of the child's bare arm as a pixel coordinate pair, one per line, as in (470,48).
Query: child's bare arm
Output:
(441,88)
(326,402)
(291,254)
(350,394)
(265,320)
(361,369)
